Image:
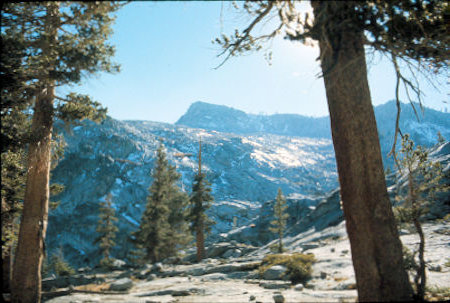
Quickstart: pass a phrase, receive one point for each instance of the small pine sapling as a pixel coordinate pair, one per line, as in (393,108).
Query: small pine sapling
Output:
(423,179)
(107,231)
(279,224)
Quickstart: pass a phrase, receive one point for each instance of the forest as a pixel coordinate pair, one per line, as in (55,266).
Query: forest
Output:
(371,218)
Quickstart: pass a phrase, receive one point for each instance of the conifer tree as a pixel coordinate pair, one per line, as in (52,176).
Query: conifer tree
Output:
(107,230)
(424,180)
(59,43)
(162,229)
(200,201)
(279,224)
(178,235)
(414,32)
(15,126)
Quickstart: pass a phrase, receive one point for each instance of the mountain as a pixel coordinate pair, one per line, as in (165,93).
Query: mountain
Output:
(117,157)
(229,120)
(244,165)
(422,124)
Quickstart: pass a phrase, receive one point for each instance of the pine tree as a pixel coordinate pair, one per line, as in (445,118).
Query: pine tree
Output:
(178,235)
(424,181)
(200,201)
(58,43)
(163,229)
(414,32)
(279,224)
(15,127)
(107,230)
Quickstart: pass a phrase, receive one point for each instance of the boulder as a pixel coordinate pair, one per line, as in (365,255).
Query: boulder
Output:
(218,249)
(151,277)
(435,267)
(232,253)
(275,272)
(62,282)
(197,271)
(215,277)
(311,245)
(345,285)
(275,284)
(118,264)
(299,287)
(157,267)
(278,298)
(142,274)
(121,284)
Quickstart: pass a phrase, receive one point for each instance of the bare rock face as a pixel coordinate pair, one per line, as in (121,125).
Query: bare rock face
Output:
(246,158)
(66,281)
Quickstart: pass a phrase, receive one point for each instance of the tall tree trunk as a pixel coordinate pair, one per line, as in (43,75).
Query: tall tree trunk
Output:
(375,244)
(26,283)
(280,242)
(26,280)
(200,239)
(6,271)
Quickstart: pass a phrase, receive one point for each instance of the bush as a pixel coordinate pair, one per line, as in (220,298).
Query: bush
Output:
(299,266)
(274,248)
(59,266)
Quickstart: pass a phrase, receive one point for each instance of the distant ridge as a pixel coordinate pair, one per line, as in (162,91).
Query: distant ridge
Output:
(226,119)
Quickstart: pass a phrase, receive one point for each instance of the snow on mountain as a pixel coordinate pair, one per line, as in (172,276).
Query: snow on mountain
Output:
(117,157)
(246,159)
(225,119)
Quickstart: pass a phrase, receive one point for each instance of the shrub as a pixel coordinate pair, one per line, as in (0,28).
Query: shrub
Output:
(59,266)
(299,266)
(274,248)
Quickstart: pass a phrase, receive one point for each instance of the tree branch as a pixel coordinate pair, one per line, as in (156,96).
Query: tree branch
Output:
(235,46)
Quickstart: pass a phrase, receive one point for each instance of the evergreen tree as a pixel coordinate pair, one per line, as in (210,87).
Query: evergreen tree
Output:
(279,224)
(15,126)
(57,44)
(107,230)
(424,181)
(163,228)
(178,235)
(412,31)
(200,201)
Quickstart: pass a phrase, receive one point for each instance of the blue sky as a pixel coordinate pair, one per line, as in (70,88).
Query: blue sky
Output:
(167,61)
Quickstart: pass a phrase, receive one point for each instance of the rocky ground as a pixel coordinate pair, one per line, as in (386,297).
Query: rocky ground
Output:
(234,278)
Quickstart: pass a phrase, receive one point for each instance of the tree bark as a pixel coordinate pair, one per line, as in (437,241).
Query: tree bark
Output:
(421,274)
(26,280)
(375,244)
(200,239)
(26,284)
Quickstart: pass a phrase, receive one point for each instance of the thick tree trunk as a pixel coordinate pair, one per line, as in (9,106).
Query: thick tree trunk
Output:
(375,244)
(6,272)
(26,283)
(26,280)
(200,239)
